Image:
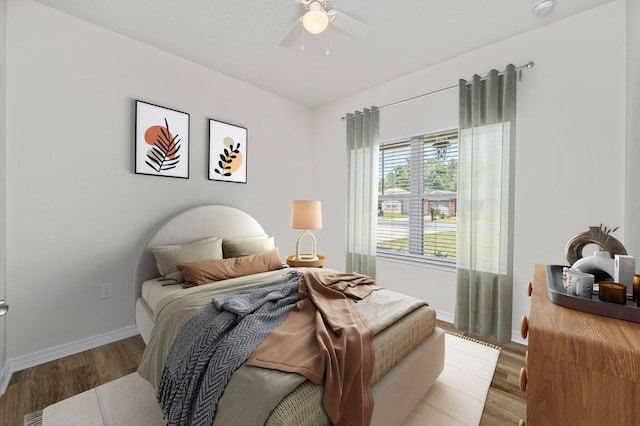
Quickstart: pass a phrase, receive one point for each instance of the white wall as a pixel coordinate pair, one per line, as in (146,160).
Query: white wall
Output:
(632,198)
(77,215)
(570,144)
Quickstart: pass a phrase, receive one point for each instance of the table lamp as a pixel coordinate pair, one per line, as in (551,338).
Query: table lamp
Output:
(306,215)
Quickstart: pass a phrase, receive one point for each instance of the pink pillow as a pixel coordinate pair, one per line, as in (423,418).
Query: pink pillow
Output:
(208,271)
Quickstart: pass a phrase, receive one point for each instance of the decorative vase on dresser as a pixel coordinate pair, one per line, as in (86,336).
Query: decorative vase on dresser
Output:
(581,369)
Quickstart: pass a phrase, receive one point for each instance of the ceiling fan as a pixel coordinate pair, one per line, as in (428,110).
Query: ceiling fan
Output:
(316,19)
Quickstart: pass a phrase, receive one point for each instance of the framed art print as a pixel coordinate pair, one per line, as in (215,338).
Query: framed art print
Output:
(227,152)
(162,141)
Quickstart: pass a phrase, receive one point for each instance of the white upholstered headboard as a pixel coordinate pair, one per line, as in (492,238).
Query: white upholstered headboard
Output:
(190,225)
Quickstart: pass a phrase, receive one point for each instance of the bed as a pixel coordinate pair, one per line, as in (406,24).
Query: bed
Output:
(409,353)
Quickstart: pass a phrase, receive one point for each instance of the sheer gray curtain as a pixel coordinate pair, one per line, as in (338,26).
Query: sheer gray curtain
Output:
(362,192)
(485,204)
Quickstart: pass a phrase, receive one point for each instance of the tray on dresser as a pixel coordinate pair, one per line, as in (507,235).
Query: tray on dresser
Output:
(559,296)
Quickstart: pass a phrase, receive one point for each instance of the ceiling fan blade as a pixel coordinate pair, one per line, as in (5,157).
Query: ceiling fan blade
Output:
(351,26)
(292,35)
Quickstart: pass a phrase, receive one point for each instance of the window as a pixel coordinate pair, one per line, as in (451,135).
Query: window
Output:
(417,197)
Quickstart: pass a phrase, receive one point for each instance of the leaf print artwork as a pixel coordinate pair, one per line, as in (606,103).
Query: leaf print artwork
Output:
(163,154)
(227,152)
(231,158)
(161,141)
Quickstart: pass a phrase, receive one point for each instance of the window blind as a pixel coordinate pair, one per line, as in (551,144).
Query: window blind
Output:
(417,196)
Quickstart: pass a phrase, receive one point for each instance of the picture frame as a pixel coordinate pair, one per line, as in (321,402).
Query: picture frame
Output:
(227,152)
(161,141)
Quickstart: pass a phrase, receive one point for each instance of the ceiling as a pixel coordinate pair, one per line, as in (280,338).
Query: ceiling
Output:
(240,38)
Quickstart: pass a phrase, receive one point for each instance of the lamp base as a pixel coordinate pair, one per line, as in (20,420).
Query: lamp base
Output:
(302,263)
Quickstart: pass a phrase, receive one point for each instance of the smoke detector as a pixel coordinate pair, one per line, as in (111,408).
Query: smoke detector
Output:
(542,7)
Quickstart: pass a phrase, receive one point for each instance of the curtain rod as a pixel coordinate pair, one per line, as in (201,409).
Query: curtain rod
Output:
(528,65)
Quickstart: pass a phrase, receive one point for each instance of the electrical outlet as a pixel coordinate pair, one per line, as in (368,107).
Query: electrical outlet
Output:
(105,290)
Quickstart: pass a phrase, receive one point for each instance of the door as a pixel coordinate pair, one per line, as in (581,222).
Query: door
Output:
(4,307)
(3,172)
(3,194)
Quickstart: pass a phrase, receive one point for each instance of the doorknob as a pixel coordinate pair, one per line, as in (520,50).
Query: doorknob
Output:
(3,308)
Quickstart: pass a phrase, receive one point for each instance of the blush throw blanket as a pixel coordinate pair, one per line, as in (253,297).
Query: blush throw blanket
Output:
(215,343)
(327,340)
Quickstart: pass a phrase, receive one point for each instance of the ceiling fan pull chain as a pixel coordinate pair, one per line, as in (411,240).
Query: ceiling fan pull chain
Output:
(327,52)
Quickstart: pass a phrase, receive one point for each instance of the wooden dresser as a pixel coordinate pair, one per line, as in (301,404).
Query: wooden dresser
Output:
(582,369)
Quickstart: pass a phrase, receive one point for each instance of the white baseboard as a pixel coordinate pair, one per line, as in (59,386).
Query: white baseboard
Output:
(444,316)
(40,357)
(4,377)
(516,337)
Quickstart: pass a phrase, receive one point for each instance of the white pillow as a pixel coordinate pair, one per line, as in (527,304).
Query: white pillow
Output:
(169,257)
(246,246)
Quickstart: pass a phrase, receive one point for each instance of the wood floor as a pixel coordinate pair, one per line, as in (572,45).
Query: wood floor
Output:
(37,387)
(506,404)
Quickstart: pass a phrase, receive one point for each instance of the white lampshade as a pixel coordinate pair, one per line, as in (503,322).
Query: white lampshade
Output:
(306,214)
(315,20)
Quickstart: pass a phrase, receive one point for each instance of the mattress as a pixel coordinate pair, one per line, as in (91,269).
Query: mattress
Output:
(153,291)
(392,344)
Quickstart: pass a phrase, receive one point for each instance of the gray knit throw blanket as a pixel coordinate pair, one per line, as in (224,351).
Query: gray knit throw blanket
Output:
(215,343)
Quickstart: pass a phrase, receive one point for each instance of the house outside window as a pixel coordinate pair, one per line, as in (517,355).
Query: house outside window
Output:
(417,198)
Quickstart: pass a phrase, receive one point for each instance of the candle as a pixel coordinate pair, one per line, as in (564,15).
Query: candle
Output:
(613,292)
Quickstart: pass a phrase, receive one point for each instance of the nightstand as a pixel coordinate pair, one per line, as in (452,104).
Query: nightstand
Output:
(306,264)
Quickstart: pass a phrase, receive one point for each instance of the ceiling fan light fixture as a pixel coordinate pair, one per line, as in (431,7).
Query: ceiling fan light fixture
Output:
(316,19)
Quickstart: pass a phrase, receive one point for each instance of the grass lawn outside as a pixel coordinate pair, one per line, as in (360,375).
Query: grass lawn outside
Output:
(436,244)
(427,218)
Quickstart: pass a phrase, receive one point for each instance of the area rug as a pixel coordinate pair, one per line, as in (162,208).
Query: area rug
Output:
(456,398)
(458,395)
